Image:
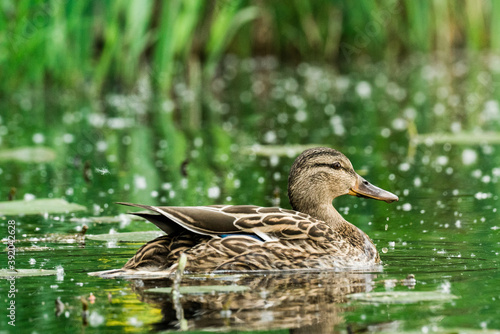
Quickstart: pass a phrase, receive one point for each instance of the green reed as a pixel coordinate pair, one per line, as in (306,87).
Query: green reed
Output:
(102,46)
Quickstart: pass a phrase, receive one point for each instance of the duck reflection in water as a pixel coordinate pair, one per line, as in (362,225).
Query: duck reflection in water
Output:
(304,302)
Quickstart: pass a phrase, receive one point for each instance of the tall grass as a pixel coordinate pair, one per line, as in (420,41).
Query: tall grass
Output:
(108,45)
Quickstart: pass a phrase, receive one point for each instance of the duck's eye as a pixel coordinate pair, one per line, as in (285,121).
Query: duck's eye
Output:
(336,165)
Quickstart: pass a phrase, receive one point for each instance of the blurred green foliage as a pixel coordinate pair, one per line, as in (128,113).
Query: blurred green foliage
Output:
(99,46)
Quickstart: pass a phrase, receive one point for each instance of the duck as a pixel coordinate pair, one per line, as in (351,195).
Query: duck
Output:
(312,235)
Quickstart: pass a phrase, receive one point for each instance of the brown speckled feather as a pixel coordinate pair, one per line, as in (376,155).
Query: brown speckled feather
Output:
(268,223)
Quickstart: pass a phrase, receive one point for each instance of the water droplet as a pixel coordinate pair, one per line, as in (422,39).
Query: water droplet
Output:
(140,182)
(385,132)
(28,197)
(363,89)
(481,195)
(38,138)
(270,137)
(486,179)
(404,167)
(274,160)
(337,125)
(476,173)
(469,156)
(68,138)
(300,116)
(329,109)
(417,182)
(399,124)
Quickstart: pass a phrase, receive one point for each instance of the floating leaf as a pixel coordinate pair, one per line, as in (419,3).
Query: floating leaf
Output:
(445,330)
(202,289)
(55,238)
(28,154)
(38,206)
(105,219)
(130,274)
(460,138)
(278,150)
(33,248)
(5,273)
(144,236)
(401,297)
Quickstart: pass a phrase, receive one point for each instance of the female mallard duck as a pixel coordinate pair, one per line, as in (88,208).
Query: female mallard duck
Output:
(247,237)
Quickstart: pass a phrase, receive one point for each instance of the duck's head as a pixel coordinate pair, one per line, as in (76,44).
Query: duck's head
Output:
(320,174)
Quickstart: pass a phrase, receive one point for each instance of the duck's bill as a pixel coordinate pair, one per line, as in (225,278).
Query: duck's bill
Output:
(363,188)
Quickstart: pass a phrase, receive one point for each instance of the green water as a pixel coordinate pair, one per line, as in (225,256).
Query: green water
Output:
(196,150)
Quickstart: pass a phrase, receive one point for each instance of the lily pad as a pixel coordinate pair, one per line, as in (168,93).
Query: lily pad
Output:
(460,138)
(401,297)
(5,273)
(28,154)
(446,330)
(202,289)
(105,219)
(278,150)
(38,206)
(33,248)
(144,236)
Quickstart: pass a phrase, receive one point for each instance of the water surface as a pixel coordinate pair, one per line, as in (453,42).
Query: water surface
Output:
(424,130)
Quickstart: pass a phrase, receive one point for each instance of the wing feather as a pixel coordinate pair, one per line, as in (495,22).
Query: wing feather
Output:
(268,223)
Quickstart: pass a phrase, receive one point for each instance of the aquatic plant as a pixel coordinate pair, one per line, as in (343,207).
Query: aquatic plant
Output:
(112,44)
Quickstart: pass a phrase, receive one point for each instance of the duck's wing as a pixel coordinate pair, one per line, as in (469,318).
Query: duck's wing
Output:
(267,223)
(206,220)
(277,223)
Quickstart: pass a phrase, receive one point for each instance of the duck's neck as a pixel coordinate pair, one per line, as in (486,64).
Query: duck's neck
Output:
(328,214)
(325,212)
(315,202)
